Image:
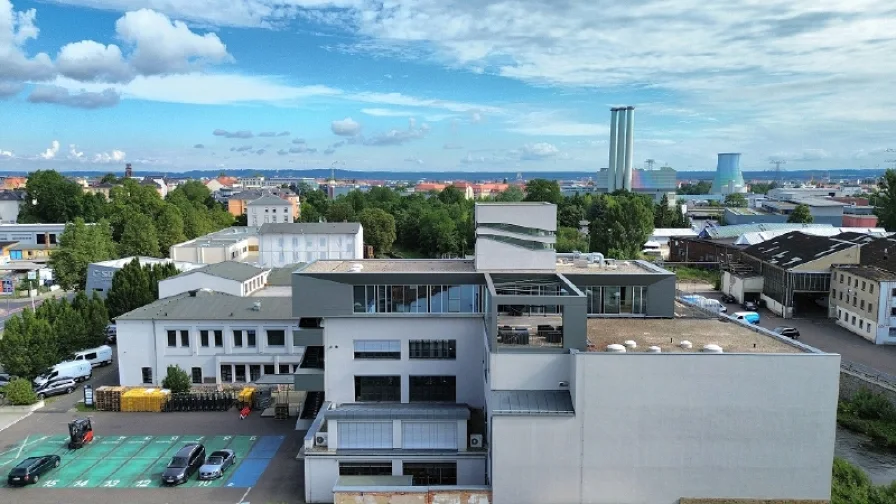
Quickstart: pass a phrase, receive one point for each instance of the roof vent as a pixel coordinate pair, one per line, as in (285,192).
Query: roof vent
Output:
(356,267)
(256,306)
(615,348)
(687,345)
(654,349)
(630,344)
(712,349)
(193,292)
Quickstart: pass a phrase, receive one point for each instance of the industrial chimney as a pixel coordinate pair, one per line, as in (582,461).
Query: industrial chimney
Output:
(611,167)
(128,171)
(622,127)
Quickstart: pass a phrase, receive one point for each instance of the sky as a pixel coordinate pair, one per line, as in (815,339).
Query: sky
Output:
(489,85)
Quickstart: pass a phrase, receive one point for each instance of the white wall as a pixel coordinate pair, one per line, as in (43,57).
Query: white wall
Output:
(145,344)
(198,280)
(492,255)
(276,249)
(654,428)
(525,371)
(341,368)
(256,215)
(9,211)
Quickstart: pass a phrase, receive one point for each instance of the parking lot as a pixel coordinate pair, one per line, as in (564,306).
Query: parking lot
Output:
(130,450)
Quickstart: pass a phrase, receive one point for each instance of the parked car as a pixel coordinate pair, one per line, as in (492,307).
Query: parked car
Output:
(99,356)
(76,370)
(790,332)
(58,386)
(111,334)
(216,464)
(31,469)
(747,316)
(750,305)
(5,378)
(185,462)
(728,298)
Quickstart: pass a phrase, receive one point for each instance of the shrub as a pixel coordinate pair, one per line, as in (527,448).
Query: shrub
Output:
(870,406)
(176,380)
(19,392)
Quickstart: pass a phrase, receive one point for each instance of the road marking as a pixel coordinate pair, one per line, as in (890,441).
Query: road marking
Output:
(111,483)
(81,483)
(143,483)
(50,483)
(242,499)
(204,483)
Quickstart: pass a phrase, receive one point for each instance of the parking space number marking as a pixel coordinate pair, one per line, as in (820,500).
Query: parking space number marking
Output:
(204,483)
(81,483)
(253,438)
(111,483)
(143,483)
(50,483)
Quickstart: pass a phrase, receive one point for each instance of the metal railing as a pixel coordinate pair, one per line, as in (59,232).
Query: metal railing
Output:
(868,372)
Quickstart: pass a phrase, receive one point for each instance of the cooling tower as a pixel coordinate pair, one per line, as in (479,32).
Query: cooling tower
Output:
(728,176)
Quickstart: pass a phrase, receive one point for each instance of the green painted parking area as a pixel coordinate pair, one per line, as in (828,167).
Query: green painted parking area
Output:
(120,461)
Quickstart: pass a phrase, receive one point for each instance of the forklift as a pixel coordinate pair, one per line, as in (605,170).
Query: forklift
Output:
(81,432)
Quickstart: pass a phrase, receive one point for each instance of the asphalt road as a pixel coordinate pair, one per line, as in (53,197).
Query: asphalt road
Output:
(10,307)
(824,334)
(107,375)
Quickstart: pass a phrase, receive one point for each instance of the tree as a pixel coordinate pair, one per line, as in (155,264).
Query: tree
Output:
(762,187)
(570,215)
(341,211)
(176,380)
(110,178)
(701,187)
(170,228)
(194,191)
(571,240)
(27,347)
(884,200)
(662,215)
(50,198)
(511,194)
(131,289)
(80,245)
(379,229)
(452,195)
(307,213)
(543,190)
(736,200)
(801,215)
(623,228)
(19,392)
(139,237)
(438,233)
(96,317)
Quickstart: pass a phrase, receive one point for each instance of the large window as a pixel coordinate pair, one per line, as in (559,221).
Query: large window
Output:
(172,338)
(428,435)
(616,300)
(432,473)
(377,349)
(377,389)
(432,349)
(365,468)
(196,374)
(226,373)
(276,337)
(203,338)
(433,389)
(418,299)
(237,338)
(184,338)
(147,374)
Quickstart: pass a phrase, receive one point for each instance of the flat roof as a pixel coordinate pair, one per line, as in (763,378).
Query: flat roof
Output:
(228,270)
(399,411)
(208,305)
(120,263)
(568,267)
(394,266)
(669,333)
(531,402)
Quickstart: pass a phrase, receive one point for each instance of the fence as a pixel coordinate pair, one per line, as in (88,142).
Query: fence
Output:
(868,373)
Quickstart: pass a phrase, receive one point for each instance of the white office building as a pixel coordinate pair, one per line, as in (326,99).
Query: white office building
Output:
(101,274)
(268,209)
(282,244)
(230,244)
(229,277)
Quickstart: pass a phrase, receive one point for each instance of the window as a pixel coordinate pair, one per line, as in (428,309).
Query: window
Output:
(280,242)
(285,218)
(853,320)
(870,307)
(433,389)
(841,295)
(377,388)
(432,349)
(365,468)
(226,373)
(861,324)
(893,312)
(172,338)
(184,338)
(834,293)
(871,288)
(276,337)
(428,435)
(254,372)
(894,293)
(365,435)
(219,338)
(863,286)
(377,349)
(284,368)
(237,338)
(432,473)
(854,299)
(295,241)
(196,373)
(862,304)
(841,277)
(240,374)
(203,338)
(323,242)
(268,369)
(869,327)
(147,374)
(250,338)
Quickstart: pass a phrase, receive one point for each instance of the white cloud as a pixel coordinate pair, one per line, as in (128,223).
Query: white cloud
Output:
(806,155)
(8,89)
(345,127)
(51,152)
(16,28)
(383,112)
(114,156)
(414,160)
(5,154)
(562,128)
(402,100)
(74,153)
(537,151)
(83,99)
(88,60)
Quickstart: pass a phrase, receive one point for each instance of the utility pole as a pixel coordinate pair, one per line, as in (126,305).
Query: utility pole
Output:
(777,163)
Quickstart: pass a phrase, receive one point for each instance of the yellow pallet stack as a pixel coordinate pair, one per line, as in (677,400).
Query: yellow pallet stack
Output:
(144,400)
(246,395)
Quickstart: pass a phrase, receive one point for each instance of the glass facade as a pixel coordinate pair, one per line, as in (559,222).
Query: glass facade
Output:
(418,298)
(616,300)
(526,244)
(513,228)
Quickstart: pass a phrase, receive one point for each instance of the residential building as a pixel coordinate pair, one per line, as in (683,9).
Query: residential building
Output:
(863,301)
(251,182)
(282,244)
(859,216)
(32,234)
(228,277)
(10,183)
(215,337)
(103,188)
(157,183)
(231,244)
(100,274)
(445,374)
(268,209)
(237,203)
(10,203)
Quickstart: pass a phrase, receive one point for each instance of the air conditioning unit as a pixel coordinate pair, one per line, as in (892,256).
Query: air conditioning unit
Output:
(475,440)
(320,439)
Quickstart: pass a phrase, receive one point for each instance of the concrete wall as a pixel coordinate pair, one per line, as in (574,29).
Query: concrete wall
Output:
(493,255)
(415,495)
(528,371)
(739,287)
(198,280)
(144,343)
(852,382)
(99,279)
(654,428)
(845,256)
(9,210)
(342,367)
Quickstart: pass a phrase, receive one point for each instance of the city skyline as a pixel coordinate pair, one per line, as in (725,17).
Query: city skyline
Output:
(440,86)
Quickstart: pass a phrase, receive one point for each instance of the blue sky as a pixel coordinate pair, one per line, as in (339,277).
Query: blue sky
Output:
(519,85)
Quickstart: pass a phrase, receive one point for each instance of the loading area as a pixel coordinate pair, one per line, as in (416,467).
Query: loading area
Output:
(138,461)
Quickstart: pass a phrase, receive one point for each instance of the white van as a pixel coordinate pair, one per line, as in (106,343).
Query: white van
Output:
(714,305)
(99,356)
(76,370)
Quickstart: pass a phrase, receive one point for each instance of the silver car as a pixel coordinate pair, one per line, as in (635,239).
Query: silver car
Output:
(216,464)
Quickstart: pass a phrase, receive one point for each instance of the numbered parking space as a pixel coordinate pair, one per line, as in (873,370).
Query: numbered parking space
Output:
(138,461)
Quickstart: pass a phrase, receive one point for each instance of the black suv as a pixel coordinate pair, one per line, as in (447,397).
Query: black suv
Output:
(790,332)
(30,470)
(728,298)
(185,462)
(750,305)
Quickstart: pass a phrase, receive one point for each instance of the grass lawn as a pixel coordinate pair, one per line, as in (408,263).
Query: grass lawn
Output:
(79,406)
(686,274)
(408,254)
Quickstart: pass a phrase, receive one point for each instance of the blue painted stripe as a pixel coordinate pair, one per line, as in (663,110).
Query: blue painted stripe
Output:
(248,472)
(266,447)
